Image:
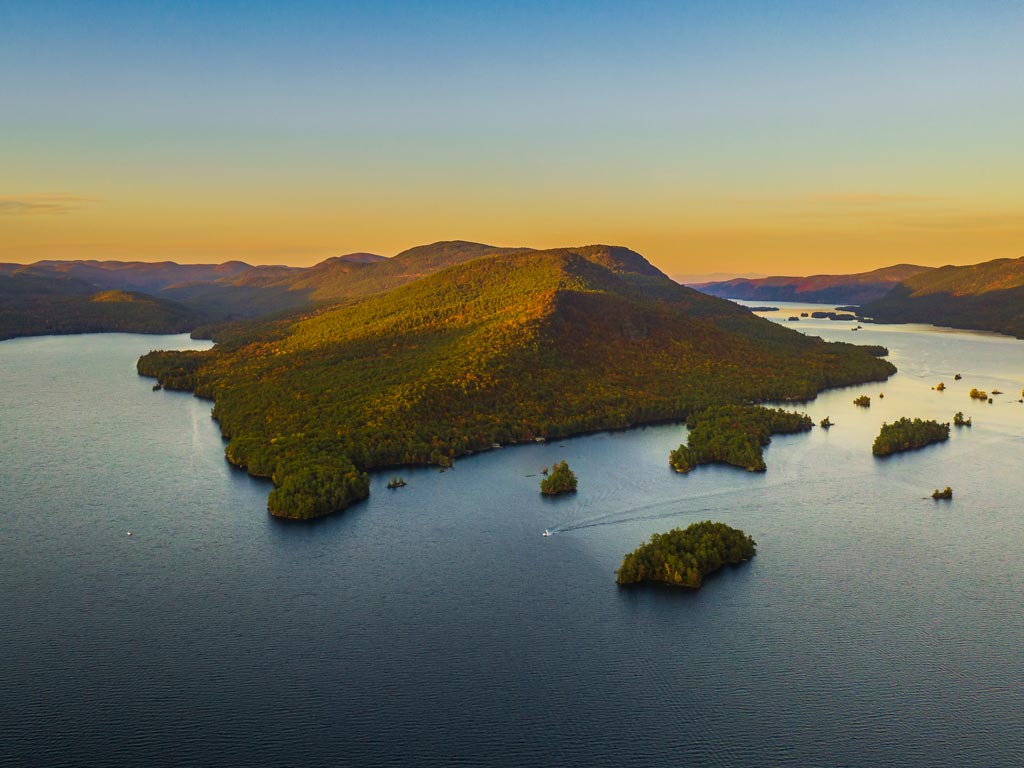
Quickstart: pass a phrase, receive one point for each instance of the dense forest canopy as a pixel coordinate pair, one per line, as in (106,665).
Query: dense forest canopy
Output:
(561,479)
(683,557)
(907,435)
(506,347)
(734,434)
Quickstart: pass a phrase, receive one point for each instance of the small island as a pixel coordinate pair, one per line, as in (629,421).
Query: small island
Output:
(940,387)
(396,482)
(946,494)
(561,479)
(683,557)
(908,435)
(734,434)
(957,377)
(979,394)
(960,421)
(863,401)
(826,423)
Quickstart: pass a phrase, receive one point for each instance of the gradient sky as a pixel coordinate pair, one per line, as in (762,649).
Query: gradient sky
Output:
(747,137)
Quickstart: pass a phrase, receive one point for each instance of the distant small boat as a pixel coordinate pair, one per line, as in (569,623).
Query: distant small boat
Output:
(547,532)
(129,533)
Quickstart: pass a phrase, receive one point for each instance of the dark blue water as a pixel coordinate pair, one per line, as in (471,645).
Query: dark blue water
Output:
(433,625)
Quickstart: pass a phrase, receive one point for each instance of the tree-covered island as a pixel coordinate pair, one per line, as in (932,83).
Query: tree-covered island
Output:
(503,348)
(734,434)
(561,479)
(683,557)
(908,435)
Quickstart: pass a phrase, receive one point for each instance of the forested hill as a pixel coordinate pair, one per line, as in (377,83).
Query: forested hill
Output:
(135,276)
(190,295)
(34,306)
(987,296)
(823,289)
(506,347)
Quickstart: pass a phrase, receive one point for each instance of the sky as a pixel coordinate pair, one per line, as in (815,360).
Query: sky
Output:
(713,137)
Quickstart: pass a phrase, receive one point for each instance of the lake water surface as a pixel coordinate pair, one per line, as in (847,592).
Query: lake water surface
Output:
(433,625)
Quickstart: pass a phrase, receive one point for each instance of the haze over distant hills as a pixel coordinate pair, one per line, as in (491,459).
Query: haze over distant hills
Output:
(820,289)
(987,296)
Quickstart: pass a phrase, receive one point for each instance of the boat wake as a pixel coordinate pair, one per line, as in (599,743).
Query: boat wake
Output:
(659,511)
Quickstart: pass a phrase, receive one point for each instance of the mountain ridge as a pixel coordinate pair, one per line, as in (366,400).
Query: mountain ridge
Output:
(987,296)
(503,348)
(853,288)
(215,293)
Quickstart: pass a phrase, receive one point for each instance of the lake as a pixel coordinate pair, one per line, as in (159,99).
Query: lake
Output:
(434,625)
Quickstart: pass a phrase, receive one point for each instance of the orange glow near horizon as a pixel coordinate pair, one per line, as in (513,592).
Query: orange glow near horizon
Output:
(811,234)
(765,138)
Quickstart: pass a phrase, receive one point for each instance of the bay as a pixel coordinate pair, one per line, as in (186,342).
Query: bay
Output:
(433,624)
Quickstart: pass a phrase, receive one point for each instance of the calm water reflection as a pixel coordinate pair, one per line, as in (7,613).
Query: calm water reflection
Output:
(434,624)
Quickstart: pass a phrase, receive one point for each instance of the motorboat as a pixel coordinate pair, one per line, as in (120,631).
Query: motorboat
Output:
(547,532)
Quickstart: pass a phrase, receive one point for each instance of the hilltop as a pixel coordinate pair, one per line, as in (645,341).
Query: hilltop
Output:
(201,294)
(819,289)
(509,345)
(987,296)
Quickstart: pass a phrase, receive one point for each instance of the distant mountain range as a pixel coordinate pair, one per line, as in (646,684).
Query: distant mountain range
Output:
(819,289)
(53,297)
(987,296)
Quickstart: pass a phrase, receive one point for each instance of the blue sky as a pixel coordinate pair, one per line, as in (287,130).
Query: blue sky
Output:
(692,131)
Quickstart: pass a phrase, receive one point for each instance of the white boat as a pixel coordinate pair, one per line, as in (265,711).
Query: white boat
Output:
(547,532)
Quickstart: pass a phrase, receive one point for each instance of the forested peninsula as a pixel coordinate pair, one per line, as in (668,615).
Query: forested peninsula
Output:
(510,346)
(734,434)
(988,296)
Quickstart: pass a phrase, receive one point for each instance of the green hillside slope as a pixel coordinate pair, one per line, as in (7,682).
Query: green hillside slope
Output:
(506,347)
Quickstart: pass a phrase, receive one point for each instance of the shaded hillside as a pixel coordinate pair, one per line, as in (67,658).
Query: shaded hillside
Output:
(508,347)
(987,296)
(209,293)
(140,276)
(265,290)
(37,306)
(818,289)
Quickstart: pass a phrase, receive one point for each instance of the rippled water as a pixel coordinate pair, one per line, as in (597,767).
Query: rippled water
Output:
(434,625)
